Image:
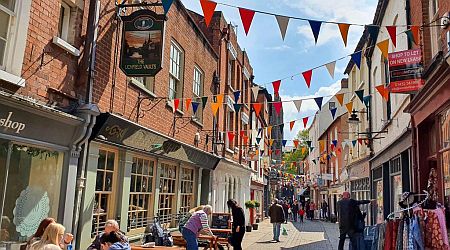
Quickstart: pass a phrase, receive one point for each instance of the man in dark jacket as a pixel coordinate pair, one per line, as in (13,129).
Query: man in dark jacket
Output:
(277,217)
(110,226)
(348,213)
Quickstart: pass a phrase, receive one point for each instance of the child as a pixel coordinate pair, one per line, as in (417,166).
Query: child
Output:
(301,212)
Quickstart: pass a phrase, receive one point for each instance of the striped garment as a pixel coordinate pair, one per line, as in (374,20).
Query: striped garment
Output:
(198,222)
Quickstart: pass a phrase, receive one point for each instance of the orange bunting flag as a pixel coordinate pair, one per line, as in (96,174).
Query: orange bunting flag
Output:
(215,106)
(321,145)
(349,106)
(384,92)
(340,98)
(188,103)
(219,98)
(292,123)
(415,32)
(384,47)
(208,8)
(230,136)
(295,143)
(269,130)
(257,107)
(176,104)
(303,150)
(343,28)
(271,142)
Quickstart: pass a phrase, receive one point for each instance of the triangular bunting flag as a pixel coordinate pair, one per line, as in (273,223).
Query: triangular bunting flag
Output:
(295,143)
(195,107)
(219,98)
(277,106)
(262,152)
(315,27)
(340,98)
(236,94)
(305,122)
(247,18)
(333,112)
(360,140)
(373,31)
(303,150)
(415,32)
(321,145)
(260,130)
(242,133)
(330,67)
(276,86)
(328,157)
(298,104)
(307,75)
(245,138)
(257,108)
(335,142)
(319,102)
(291,124)
(392,30)
(269,130)
(354,143)
(283,22)
(384,92)
(176,104)
(204,101)
(314,161)
(271,142)
(384,47)
(166,5)
(258,140)
(188,103)
(230,136)
(277,151)
(208,8)
(308,143)
(215,106)
(356,58)
(311,148)
(255,91)
(284,142)
(349,107)
(360,94)
(367,100)
(343,28)
(237,107)
(270,151)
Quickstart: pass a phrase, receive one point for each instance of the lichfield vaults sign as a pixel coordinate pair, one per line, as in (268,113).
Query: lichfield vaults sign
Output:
(142,43)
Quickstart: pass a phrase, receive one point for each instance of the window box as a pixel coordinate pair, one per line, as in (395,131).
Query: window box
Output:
(66,46)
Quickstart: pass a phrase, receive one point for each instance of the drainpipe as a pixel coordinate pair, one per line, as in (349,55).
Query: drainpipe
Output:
(408,18)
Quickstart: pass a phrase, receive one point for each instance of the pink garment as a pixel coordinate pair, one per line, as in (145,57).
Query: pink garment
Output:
(441,217)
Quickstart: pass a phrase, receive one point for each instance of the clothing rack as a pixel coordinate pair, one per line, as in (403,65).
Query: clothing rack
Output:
(414,206)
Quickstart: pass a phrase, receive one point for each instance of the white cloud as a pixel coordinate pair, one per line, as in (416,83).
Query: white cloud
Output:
(309,108)
(279,48)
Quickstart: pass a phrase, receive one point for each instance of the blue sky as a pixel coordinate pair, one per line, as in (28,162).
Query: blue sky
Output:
(272,58)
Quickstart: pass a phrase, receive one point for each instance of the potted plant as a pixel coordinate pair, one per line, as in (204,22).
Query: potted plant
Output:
(249,205)
(256,205)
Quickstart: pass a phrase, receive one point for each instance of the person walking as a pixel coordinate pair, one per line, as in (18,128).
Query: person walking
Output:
(312,207)
(277,217)
(294,209)
(196,223)
(307,209)
(238,230)
(285,210)
(301,213)
(325,210)
(349,216)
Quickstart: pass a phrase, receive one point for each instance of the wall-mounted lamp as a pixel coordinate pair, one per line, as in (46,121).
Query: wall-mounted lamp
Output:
(353,119)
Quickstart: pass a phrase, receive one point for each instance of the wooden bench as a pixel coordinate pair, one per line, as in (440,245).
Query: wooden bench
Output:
(178,240)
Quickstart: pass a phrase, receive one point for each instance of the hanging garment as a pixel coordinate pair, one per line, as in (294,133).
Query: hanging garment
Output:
(381,237)
(376,236)
(391,235)
(441,218)
(432,231)
(405,233)
(399,243)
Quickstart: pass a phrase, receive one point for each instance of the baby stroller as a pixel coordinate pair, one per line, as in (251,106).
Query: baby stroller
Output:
(155,233)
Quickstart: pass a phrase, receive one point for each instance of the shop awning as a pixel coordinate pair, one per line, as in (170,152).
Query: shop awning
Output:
(400,144)
(116,130)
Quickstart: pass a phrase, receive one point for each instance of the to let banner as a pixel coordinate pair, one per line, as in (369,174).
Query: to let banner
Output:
(405,69)
(142,43)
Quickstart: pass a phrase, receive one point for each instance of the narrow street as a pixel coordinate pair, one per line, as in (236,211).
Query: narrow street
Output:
(309,235)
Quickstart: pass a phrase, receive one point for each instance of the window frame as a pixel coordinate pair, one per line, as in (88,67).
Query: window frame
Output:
(176,77)
(198,96)
(64,21)
(434,30)
(173,195)
(183,209)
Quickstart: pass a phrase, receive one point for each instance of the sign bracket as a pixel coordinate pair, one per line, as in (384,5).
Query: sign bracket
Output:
(142,4)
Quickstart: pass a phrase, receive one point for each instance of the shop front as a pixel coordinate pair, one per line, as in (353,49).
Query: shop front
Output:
(358,184)
(135,174)
(257,194)
(38,166)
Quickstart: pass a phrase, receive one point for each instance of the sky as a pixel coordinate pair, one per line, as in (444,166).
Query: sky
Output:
(273,59)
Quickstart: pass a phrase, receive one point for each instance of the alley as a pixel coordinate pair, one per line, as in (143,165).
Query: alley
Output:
(309,235)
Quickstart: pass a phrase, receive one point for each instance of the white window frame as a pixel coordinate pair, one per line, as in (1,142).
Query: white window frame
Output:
(64,21)
(197,90)
(176,71)
(434,20)
(11,68)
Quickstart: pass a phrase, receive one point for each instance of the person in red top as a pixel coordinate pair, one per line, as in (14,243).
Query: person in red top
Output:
(312,207)
(301,213)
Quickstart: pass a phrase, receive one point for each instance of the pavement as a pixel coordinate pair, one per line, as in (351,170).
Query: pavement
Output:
(312,235)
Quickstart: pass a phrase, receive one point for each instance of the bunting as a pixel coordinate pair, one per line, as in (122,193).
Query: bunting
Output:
(343,28)
(236,94)
(245,138)
(204,101)
(246,18)
(219,98)
(309,143)
(373,31)
(331,67)
(305,122)
(392,30)
(277,106)
(360,141)
(319,101)
(356,58)
(360,94)
(295,143)
(315,28)
(314,161)
(176,104)
(195,107)
(384,48)
(257,108)
(291,124)
(271,142)
(255,91)
(284,142)
(215,107)
(269,130)
(230,136)
(354,143)
(384,92)
(415,33)
(321,145)
(208,8)
(333,112)
(298,104)
(307,75)
(367,100)
(258,140)
(188,103)
(335,142)
(242,133)
(276,86)
(349,107)
(237,107)
(166,5)
(303,150)
(340,98)
(283,22)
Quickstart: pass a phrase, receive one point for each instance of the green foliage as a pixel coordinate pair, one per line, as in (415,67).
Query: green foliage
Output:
(250,204)
(257,204)
(297,155)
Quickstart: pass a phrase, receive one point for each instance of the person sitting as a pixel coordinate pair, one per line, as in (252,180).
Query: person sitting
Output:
(40,231)
(110,226)
(196,223)
(51,238)
(113,241)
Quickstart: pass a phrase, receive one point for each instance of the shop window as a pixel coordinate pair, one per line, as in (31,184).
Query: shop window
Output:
(198,91)
(445,149)
(30,185)
(186,190)
(167,193)
(104,202)
(176,72)
(395,169)
(141,192)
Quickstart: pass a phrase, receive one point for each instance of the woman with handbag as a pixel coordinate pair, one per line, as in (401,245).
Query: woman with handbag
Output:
(238,229)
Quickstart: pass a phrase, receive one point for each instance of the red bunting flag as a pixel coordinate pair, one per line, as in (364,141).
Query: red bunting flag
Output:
(208,8)
(176,104)
(392,30)
(339,150)
(242,133)
(276,86)
(307,75)
(245,140)
(188,103)
(295,143)
(230,136)
(270,151)
(277,151)
(247,18)
(292,123)
(277,106)
(384,92)
(360,140)
(415,32)
(257,107)
(305,121)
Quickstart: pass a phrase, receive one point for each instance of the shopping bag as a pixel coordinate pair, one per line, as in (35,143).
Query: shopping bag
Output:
(284,231)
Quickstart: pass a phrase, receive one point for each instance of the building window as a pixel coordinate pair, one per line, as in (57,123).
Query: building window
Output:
(6,13)
(186,190)
(331,105)
(66,20)
(176,72)
(230,73)
(141,192)
(435,22)
(396,182)
(198,90)
(167,193)
(144,82)
(445,148)
(103,206)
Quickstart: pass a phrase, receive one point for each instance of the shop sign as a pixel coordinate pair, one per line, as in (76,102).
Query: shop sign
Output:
(142,43)
(328,177)
(405,69)
(9,123)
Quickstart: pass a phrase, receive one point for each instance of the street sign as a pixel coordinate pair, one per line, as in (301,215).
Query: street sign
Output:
(142,43)
(405,69)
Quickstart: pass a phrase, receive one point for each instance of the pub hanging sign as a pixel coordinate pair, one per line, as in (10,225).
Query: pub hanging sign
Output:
(142,43)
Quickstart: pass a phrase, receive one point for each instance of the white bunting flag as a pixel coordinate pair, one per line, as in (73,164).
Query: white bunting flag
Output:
(330,67)
(283,22)
(255,91)
(298,104)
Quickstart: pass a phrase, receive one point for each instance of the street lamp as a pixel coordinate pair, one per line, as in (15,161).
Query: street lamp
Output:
(353,118)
